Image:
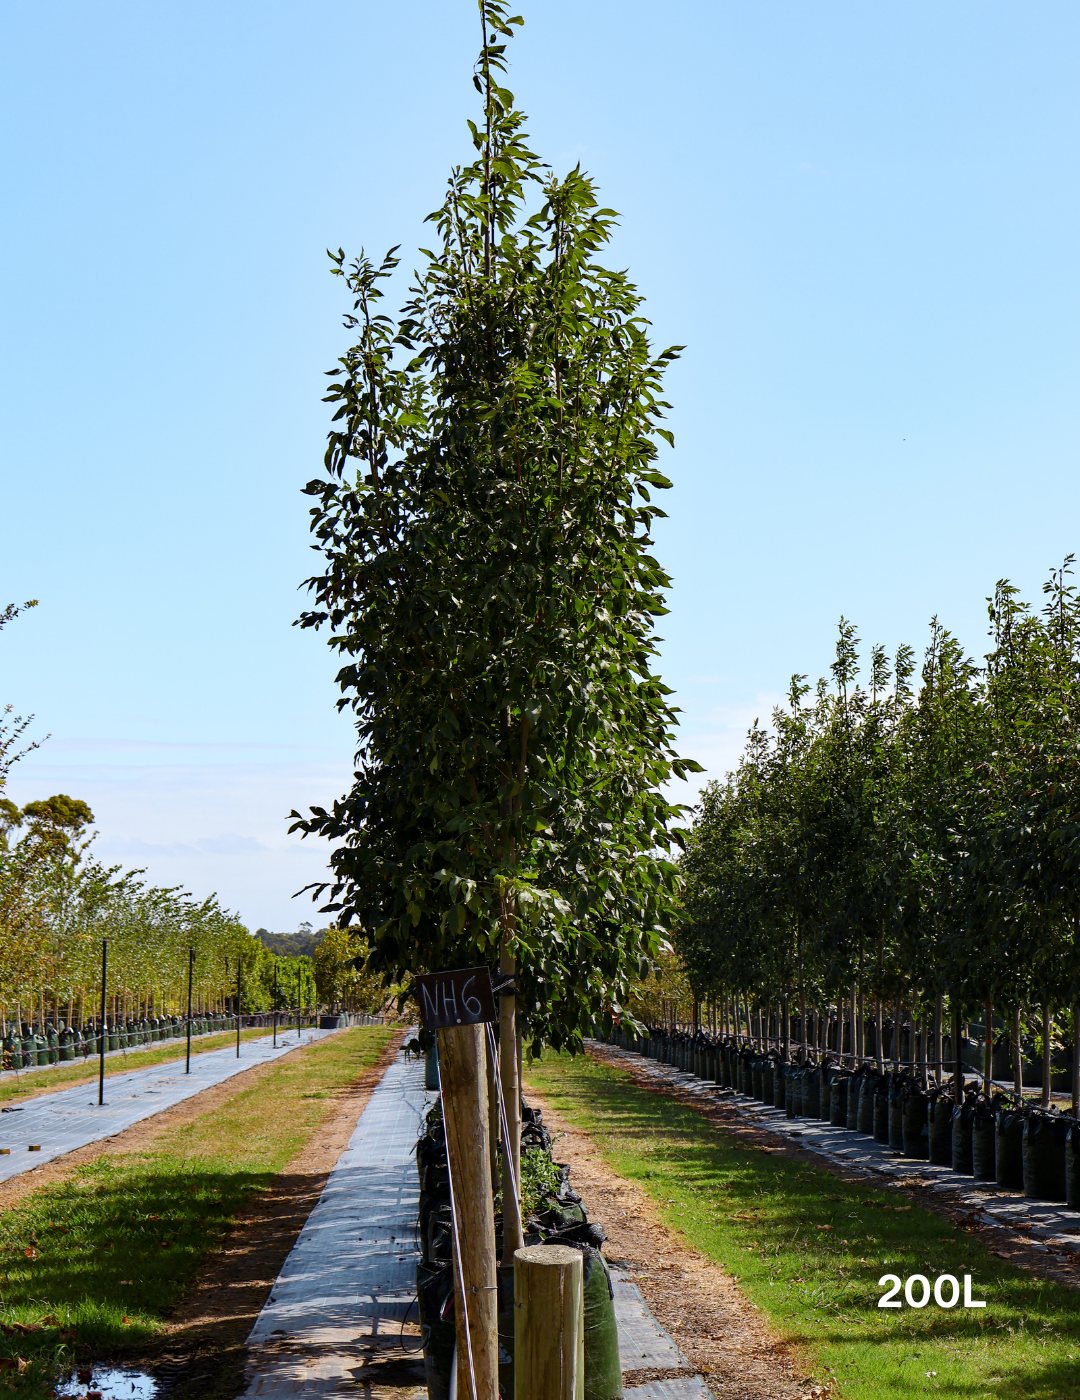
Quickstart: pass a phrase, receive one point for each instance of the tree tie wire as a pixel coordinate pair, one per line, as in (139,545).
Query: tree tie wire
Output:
(457,1244)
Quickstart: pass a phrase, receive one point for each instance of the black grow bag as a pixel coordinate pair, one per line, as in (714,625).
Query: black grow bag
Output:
(983,1143)
(897,1089)
(867,1090)
(939,1130)
(1072,1166)
(767,1081)
(826,1074)
(793,1082)
(916,1125)
(1009,1150)
(881,1110)
(854,1089)
(838,1101)
(779,1086)
(811,1092)
(1044,1157)
(962,1119)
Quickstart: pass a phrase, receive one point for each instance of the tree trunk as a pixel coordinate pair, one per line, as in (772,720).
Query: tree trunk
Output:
(988,1047)
(1018,1056)
(939,1047)
(802,1016)
(895,1046)
(1076,1062)
(1046,1025)
(463,1077)
(958,1052)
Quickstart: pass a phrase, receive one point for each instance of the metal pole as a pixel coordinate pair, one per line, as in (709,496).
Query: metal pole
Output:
(275,1003)
(239,990)
(190,975)
(101,1036)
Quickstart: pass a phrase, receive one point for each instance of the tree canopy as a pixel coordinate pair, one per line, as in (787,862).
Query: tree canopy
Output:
(484,520)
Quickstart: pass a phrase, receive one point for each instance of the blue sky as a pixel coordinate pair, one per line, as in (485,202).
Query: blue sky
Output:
(861,220)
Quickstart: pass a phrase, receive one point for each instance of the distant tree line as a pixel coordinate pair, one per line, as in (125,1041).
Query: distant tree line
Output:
(894,849)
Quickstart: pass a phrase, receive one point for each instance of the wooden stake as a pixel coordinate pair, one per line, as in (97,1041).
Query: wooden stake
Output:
(510,1075)
(463,1077)
(549,1323)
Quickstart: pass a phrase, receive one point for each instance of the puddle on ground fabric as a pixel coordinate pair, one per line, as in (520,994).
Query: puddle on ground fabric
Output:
(110,1384)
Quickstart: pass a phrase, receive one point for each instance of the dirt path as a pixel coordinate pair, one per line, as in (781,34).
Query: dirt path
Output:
(721,1334)
(1005,1243)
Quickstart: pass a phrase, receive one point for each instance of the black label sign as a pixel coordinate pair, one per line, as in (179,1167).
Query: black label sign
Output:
(459,998)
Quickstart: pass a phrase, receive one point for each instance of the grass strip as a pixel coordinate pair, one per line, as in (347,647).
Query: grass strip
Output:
(30,1084)
(808,1249)
(90,1263)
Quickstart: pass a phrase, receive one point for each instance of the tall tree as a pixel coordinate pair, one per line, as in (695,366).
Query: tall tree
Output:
(485,521)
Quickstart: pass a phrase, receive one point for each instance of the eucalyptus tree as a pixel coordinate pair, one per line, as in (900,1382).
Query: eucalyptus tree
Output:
(485,524)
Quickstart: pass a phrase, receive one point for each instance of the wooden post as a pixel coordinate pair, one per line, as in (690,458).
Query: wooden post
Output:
(549,1323)
(463,1076)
